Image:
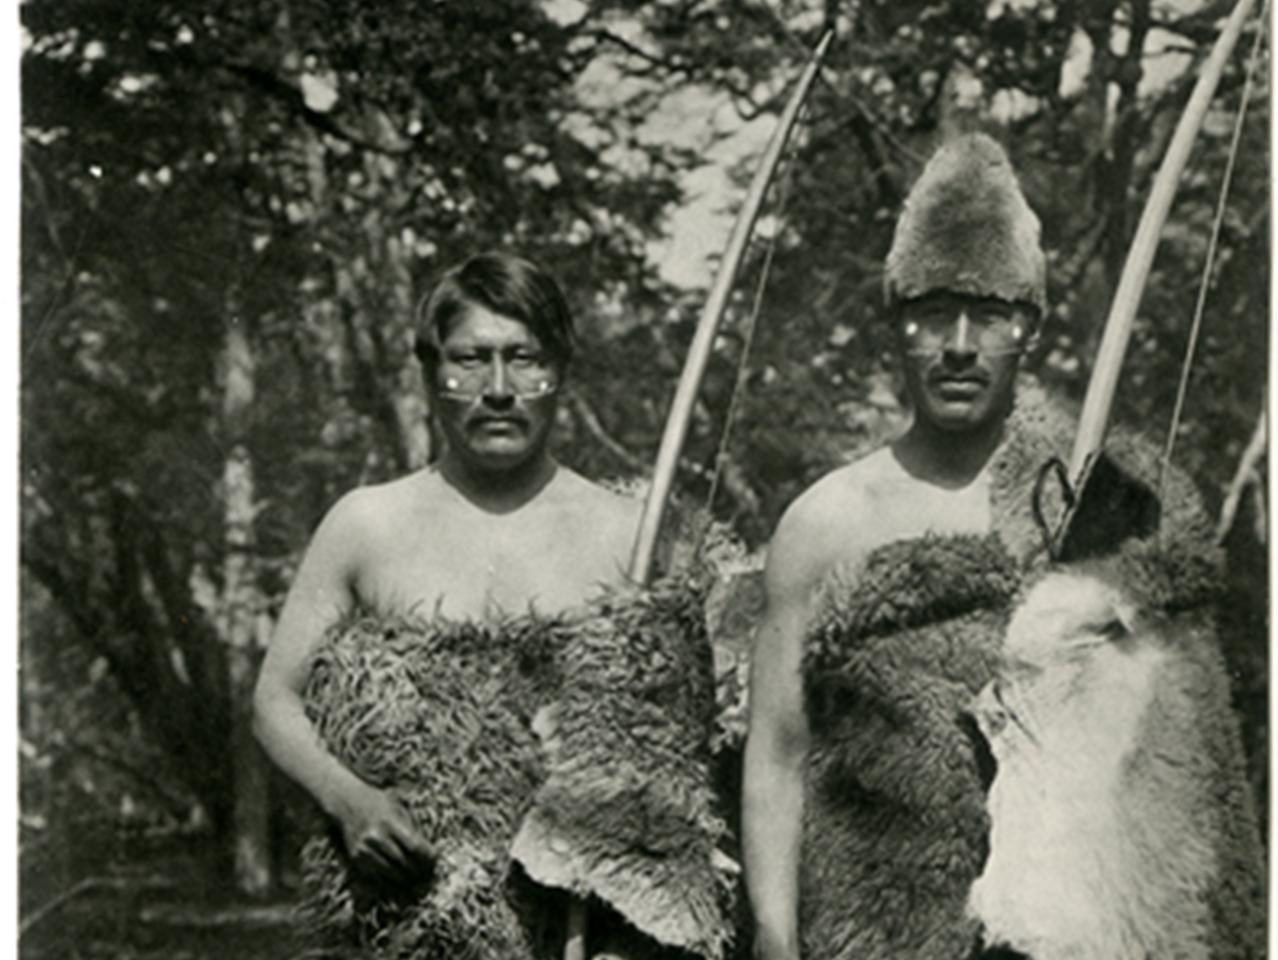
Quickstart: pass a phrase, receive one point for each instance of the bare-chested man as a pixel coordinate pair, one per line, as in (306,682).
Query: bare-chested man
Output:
(961,327)
(493,527)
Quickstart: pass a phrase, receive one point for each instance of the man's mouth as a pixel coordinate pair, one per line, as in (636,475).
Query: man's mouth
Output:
(497,423)
(958,386)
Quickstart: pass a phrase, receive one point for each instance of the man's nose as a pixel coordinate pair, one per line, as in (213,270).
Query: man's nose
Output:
(960,345)
(497,386)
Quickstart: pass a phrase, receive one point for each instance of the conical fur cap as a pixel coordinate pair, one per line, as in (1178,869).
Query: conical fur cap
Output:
(966,228)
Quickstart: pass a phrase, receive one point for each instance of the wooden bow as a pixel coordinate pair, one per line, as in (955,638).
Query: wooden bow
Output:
(1099,401)
(694,367)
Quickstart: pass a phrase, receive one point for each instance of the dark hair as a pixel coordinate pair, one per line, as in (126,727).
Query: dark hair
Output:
(504,284)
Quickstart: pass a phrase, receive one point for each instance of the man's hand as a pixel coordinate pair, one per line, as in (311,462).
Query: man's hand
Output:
(381,837)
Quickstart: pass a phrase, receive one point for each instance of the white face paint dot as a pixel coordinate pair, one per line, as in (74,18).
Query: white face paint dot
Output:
(911,329)
(451,384)
(1017,332)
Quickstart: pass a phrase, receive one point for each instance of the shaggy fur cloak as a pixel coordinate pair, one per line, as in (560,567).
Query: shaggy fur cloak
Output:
(627,815)
(442,714)
(539,756)
(897,828)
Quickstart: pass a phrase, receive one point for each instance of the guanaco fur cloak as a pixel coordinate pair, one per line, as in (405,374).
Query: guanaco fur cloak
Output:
(627,815)
(913,791)
(585,737)
(442,715)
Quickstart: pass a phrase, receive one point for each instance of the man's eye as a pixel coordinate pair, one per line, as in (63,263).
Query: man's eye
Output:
(466,359)
(526,359)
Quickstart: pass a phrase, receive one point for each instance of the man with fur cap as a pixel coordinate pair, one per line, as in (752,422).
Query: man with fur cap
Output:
(890,582)
(965,285)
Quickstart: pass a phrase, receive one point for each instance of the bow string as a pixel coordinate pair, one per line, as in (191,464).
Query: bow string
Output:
(1099,400)
(681,408)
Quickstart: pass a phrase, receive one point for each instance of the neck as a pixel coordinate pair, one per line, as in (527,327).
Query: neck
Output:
(497,490)
(947,458)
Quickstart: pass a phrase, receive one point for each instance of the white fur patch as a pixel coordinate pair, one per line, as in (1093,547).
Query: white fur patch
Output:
(1076,870)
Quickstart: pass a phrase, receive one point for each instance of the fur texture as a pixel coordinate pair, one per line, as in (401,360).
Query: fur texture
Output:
(441,714)
(897,829)
(895,825)
(628,814)
(1122,827)
(540,756)
(966,228)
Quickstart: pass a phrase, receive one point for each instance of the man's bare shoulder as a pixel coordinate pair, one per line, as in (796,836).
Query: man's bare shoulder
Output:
(368,510)
(838,499)
(594,525)
(826,525)
(614,515)
(369,501)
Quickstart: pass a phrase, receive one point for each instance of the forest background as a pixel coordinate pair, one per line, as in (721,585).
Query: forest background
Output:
(230,208)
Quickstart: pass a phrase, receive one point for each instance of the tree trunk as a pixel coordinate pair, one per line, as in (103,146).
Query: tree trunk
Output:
(403,378)
(378,291)
(240,605)
(1115,80)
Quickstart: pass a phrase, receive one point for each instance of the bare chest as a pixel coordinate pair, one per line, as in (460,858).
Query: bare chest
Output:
(902,509)
(891,509)
(478,568)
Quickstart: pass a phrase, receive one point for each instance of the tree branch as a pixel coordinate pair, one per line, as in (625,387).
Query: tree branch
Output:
(732,477)
(271,86)
(590,420)
(84,886)
(145,779)
(1244,476)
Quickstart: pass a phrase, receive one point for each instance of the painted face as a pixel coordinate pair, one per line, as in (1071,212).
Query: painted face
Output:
(494,389)
(961,354)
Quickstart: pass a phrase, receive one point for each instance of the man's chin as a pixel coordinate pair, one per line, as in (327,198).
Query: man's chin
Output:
(959,416)
(501,455)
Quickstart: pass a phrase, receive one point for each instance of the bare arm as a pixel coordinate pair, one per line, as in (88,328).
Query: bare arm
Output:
(377,830)
(777,746)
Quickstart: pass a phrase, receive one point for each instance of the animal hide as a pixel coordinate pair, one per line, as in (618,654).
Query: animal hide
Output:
(896,827)
(1121,824)
(895,824)
(539,756)
(627,814)
(442,715)
(967,228)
